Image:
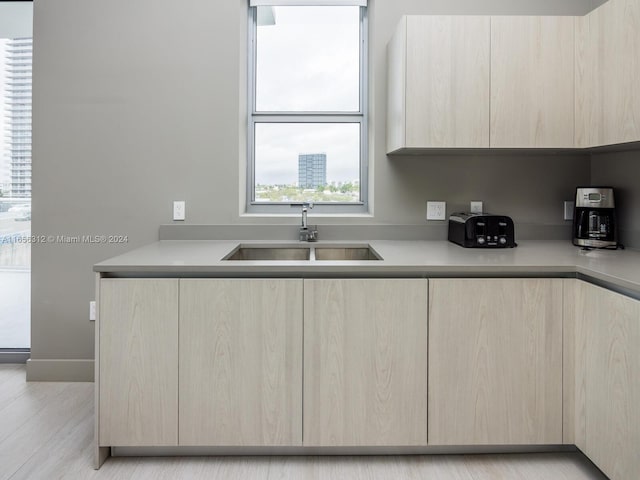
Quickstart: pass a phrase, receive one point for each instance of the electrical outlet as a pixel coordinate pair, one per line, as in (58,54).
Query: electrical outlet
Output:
(92,311)
(568,209)
(436,210)
(476,207)
(179,210)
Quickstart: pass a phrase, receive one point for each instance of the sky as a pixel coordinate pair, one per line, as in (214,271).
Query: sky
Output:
(300,67)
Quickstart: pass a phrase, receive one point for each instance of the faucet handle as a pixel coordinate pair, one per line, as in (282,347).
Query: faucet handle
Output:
(312,234)
(309,234)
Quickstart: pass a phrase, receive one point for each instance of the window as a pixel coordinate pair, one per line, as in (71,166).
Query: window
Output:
(307,132)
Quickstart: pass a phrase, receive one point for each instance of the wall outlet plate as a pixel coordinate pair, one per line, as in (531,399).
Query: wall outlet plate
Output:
(92,311)
(476,207)
(179,207)
(568,209)
(436,210)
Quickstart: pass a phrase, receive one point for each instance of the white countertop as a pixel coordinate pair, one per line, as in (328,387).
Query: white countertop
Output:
(620,268)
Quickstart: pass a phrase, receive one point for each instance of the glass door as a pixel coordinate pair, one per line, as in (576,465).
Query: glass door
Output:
(16,50)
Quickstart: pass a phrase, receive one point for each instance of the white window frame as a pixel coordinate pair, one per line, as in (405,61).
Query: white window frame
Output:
(360,117)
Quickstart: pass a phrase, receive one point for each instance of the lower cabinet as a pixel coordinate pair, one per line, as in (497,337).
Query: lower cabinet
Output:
(200,362)
(365,362)
(138,369)
(257,362)
(241,362)
(495,361)
(608,380)
(219,362)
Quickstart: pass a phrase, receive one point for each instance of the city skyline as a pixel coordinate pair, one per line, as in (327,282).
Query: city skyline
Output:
(277,147)
(18,55)
(5,178)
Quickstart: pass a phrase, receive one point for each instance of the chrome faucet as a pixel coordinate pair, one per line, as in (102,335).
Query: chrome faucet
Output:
(307,233)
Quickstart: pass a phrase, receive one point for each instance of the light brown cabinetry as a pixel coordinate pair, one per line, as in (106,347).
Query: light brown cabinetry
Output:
(365,362)
(607,72)
(532,82)
(607,388)
(240,362)
(438,83)
(480,81)
(138,377)
(495,361)
(236,362)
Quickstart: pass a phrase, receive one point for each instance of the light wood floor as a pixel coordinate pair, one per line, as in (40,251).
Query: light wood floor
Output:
(46,432)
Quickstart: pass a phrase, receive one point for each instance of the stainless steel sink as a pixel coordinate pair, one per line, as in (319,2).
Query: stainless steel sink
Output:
(244,252)
(346,253)
(302,252)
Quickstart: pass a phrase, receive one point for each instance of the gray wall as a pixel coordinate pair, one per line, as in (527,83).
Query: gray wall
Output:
(140,103)
(621,171)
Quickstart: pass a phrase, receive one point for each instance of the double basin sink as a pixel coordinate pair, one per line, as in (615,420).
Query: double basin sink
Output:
(302,252)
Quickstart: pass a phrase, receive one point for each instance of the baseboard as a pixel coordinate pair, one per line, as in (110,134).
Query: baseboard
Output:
(57,370)
(258,451)
(14,356)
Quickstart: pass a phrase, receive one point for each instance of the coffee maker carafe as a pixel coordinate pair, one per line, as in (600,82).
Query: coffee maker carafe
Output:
(594,218)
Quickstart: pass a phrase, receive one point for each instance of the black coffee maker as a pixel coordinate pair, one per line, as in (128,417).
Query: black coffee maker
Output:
(594,218)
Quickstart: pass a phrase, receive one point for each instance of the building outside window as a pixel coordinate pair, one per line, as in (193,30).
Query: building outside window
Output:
(312,170)
(307,129)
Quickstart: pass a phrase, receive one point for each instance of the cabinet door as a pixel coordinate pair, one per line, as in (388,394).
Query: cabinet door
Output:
(608,379)
(138,396)
(495,361)
(447,85)
(365,362)
(240,362)
(532,82)
(607,72)
(438,83)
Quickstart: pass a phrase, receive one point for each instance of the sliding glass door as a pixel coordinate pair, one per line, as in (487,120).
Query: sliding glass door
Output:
(16,47)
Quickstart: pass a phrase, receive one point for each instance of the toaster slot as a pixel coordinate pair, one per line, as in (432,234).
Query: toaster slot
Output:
(502,232)
(481,232)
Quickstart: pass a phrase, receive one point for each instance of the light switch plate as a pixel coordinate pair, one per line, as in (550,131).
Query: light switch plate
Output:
(568,210)
(92,311)
(436,210)
(179,207)
(476,207)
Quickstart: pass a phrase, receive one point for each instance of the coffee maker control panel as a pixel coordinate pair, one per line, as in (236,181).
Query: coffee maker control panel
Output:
(594,198)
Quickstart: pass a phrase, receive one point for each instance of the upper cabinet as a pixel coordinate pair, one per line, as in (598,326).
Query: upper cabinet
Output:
(515,81)
(480,82)
(607,71)
(532,85)
(438,83)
